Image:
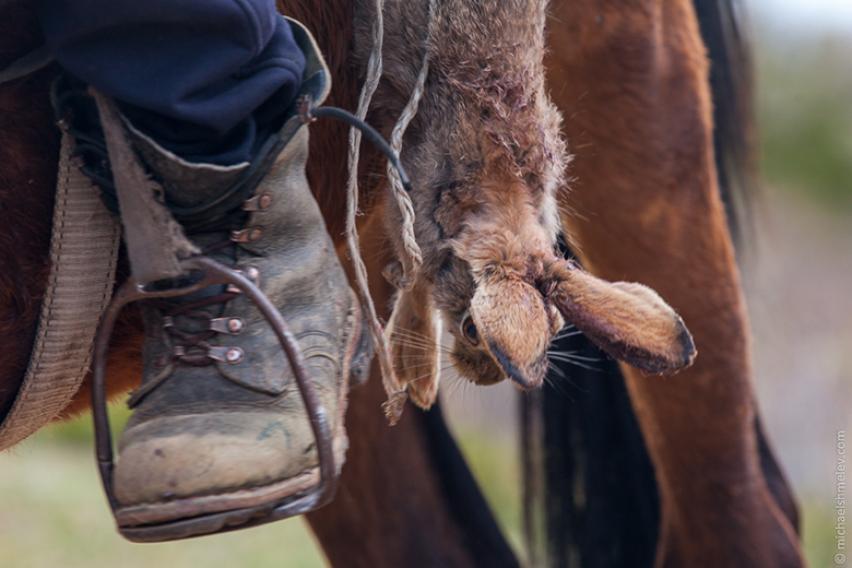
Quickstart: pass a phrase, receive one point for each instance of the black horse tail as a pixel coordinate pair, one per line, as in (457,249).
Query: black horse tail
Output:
(591,498)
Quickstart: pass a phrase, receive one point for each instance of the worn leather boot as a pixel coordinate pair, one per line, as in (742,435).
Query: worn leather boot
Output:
(218,423)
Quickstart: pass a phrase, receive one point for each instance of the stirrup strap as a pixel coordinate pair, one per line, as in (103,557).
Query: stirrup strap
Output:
(83,256)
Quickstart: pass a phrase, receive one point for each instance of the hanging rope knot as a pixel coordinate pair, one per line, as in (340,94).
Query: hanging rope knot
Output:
(393,406)
(411,255)
(393,388)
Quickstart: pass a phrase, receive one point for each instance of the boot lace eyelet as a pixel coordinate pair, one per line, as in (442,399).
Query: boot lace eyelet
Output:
(258,203)
(227,325)
(234,355)
(229,355)
(247,235)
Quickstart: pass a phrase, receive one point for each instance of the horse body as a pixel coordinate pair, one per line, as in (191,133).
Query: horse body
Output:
(633,83)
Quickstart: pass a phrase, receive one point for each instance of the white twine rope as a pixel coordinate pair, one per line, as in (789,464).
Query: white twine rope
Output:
(412,255)
(395,391)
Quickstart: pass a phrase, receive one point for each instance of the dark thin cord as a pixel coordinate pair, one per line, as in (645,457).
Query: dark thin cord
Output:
(370,133)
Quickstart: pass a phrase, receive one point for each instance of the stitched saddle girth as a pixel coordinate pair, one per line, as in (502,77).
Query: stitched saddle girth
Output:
(83,254)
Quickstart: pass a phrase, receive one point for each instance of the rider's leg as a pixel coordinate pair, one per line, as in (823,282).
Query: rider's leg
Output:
(218,423)
(193,75)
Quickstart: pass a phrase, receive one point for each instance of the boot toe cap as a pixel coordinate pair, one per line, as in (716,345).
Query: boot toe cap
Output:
(196,455)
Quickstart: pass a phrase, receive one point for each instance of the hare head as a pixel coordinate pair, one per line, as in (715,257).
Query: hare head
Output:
(505,295)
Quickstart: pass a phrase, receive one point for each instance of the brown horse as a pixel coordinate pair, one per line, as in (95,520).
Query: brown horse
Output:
(632,81)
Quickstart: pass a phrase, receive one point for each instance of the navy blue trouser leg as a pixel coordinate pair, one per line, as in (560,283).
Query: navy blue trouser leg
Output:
(192,74)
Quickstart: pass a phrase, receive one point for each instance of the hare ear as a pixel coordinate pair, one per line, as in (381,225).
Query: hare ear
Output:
(628,321)
(414,334)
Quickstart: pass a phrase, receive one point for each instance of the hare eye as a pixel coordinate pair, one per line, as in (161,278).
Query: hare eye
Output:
(468,330)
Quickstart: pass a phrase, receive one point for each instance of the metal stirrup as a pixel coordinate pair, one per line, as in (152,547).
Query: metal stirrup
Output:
(212,273)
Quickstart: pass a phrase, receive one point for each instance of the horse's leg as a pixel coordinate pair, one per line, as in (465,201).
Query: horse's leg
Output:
(406,497)
(632,83)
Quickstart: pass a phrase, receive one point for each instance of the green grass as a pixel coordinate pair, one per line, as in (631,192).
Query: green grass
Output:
(496,465)
(818,528)
(54,513)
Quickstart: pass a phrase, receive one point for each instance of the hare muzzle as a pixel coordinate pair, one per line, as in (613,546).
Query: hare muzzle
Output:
(515,329)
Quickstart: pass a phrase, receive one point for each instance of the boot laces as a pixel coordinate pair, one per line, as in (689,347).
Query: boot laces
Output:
(190,323)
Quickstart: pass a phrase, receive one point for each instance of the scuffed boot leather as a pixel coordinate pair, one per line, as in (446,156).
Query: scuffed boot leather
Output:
(219,422)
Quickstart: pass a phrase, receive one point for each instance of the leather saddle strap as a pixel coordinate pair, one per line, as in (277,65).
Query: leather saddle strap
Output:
(83,254)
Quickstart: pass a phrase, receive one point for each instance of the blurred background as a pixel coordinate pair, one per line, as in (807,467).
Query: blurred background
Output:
(797,269)
(798,274)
